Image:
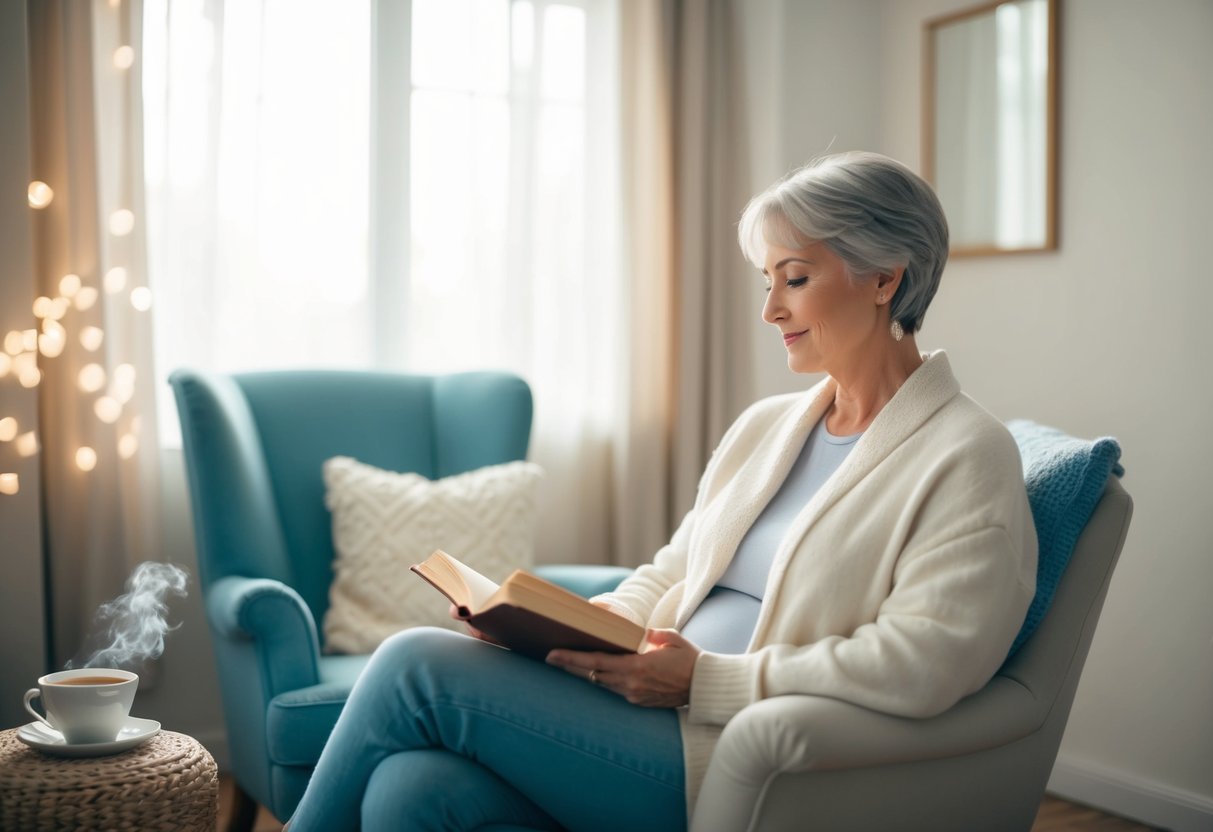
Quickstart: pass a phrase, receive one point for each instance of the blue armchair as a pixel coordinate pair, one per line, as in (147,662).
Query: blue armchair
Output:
(254,444)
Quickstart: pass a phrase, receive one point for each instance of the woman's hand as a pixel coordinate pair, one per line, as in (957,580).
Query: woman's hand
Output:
(657,677)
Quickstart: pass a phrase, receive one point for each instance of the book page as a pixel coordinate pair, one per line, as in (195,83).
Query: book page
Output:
(461,584)
(479,588)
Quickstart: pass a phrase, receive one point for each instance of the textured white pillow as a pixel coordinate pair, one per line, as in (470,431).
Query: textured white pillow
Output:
(384,522)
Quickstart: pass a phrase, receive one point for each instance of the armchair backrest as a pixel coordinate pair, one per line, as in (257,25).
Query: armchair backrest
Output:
(1082,515)
(1050,662)
(255,442)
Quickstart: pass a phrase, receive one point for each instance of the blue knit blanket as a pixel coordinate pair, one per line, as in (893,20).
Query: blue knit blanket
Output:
(1065,477)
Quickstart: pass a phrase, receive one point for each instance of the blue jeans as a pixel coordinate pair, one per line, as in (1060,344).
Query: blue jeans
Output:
(444,732)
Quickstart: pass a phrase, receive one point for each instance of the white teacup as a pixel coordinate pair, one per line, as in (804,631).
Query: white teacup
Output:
(87,705)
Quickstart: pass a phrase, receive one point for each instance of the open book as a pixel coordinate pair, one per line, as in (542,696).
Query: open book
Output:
(527,613)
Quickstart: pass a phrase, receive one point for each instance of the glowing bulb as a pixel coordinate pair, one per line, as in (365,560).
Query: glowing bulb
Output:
(29,377)
(107,409)
(91,378)
(69,285)
(51,346)
(91,338)
(40,194)
(122,222)
(51,343)
(6,364)
(123,387)
(86,458)
(29,340)
(115,279)
(42,307)
(124,56)
(86,297)
(124,375)
(13,342)
(22,362)
(27,444)
(127,446)
(59,307)
(8,429)
(141,298)
(9,484)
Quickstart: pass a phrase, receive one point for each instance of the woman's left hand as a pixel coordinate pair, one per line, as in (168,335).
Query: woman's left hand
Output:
(657,677)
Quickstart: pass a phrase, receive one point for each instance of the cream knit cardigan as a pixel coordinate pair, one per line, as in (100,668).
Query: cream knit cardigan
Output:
(899,587)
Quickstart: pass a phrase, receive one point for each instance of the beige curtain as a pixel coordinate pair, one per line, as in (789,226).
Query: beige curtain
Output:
(97,439)
(685,183)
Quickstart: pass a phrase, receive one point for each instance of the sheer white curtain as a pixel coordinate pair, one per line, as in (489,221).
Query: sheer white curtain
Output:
(97,434)
(690,293)
(274,244)
(257,158)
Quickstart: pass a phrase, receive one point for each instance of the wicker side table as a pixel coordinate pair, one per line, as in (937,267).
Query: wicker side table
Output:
(170,782)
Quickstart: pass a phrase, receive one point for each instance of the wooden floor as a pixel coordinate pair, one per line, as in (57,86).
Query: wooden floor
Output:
(1059,816)
(1055,816)
(265,821)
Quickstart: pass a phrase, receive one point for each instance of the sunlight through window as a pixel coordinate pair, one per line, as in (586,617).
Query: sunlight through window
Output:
(259,156)
(257,145)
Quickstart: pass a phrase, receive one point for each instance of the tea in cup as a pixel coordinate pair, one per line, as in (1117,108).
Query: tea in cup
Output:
(88,705)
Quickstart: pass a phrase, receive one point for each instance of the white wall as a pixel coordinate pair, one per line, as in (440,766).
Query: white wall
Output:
(1108,335)
(814,84)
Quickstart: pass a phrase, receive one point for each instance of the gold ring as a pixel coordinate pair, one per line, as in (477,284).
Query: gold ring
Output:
(594,677)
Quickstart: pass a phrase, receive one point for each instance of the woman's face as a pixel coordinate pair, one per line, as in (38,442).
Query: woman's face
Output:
(825,317)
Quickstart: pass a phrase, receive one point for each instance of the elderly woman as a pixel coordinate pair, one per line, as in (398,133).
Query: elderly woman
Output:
(868,540)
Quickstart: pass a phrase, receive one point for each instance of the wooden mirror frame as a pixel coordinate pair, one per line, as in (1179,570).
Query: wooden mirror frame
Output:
(1051,127)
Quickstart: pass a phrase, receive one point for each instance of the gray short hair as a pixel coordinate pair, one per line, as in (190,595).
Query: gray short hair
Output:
(873,212)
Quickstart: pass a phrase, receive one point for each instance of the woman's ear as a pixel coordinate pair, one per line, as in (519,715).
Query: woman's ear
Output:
(886,284)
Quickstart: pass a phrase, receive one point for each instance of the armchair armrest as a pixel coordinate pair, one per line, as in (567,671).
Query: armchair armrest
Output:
(794,734)
(278,622)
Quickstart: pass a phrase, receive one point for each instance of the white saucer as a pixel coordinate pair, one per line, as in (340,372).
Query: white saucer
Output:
(134,732)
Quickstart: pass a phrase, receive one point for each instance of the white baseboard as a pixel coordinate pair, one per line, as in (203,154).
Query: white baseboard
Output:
(1154,804)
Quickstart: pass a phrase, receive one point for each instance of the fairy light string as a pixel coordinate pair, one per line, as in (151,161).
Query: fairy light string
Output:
(60,322)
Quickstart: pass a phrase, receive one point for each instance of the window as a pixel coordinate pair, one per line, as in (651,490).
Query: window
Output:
(327,189)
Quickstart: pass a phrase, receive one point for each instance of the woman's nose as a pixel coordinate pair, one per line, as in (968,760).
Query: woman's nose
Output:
(773,310)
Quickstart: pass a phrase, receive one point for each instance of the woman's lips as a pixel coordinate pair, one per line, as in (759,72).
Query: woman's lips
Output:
(789,337)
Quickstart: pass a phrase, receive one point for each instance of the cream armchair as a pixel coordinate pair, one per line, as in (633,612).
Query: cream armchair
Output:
(809,763)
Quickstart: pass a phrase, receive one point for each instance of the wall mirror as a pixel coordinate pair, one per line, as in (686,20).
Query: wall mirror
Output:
(990,125)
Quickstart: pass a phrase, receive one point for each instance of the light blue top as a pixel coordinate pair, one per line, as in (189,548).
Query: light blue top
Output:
(724,622)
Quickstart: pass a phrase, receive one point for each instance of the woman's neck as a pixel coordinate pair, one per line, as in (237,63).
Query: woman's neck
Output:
(866,386)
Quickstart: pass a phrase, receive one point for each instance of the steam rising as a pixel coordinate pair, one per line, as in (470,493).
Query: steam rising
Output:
(135,622)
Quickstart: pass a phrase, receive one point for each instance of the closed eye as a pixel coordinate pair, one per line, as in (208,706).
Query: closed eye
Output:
(792,282)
